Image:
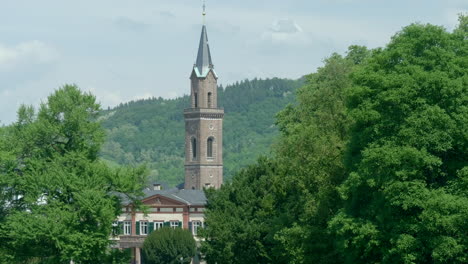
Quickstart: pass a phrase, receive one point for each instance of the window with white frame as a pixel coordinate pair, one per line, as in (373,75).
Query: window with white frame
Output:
(127,228)
(115,228)
(174,224)
(195,226)
(143,227)
(158,225)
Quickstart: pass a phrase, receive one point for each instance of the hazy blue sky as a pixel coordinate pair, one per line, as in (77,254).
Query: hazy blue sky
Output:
(123,50)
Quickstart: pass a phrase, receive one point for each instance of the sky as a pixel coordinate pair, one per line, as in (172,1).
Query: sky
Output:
(123,50)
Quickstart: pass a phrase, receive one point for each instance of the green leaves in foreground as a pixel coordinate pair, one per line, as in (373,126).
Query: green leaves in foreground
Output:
(403,199)
(371,165)
(242,217)
(169,246)
(59,200)
(273,211)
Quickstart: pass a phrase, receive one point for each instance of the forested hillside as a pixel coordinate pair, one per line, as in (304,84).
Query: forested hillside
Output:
(152,131)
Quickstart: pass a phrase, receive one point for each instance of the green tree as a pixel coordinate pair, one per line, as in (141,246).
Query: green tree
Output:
(242,218)
(405,197)
(273,211)
(370,167)
(6,164)
(60,199)
(314,135)
(169,246)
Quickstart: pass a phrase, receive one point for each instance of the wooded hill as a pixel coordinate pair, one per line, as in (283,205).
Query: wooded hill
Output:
(151,131)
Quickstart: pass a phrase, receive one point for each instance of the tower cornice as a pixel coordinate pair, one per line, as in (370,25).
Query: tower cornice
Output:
(209,113)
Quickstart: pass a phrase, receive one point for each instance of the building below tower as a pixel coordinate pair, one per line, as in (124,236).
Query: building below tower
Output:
(172,208)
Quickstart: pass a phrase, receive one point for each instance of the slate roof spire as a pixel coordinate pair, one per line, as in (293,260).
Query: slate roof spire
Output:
(204,63)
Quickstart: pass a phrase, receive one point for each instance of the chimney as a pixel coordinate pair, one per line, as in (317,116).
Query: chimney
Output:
(157,187)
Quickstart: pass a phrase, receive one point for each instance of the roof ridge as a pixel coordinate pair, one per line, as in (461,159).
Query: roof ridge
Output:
(188,203)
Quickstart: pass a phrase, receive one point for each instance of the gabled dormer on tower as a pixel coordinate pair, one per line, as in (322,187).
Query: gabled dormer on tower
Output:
(203,124)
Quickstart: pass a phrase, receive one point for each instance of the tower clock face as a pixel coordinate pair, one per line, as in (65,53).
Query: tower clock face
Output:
(211,126)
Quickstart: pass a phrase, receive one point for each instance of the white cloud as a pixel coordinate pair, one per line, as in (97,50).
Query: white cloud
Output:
(285,31)
(287,26)
(26,53)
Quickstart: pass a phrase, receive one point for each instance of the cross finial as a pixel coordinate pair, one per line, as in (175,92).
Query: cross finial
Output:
(204,11)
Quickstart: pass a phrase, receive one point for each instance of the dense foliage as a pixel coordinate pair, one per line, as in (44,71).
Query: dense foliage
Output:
(58,200)
(169,246)
(273,210)
(371,165)
(405,198)
(151,131)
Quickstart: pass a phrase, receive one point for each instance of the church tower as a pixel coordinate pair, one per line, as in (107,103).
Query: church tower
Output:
(203,124)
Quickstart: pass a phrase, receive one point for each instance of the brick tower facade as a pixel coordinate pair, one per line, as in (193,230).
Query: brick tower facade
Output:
(203,125)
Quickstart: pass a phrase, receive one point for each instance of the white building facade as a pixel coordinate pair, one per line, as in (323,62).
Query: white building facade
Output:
(172,208)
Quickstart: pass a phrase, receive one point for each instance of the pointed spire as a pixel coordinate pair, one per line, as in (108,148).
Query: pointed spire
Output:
(204,63)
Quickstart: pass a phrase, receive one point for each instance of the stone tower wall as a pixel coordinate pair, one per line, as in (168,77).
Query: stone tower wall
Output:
(202,123)
(202,87)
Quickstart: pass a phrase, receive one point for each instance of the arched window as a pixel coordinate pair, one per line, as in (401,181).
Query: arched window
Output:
(195,99)
(209,100)
(209,147)
(194,148)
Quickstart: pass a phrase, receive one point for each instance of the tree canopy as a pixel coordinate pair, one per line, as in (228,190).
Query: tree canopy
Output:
(169,246)
(58,199)
(405,197)
(370,167)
